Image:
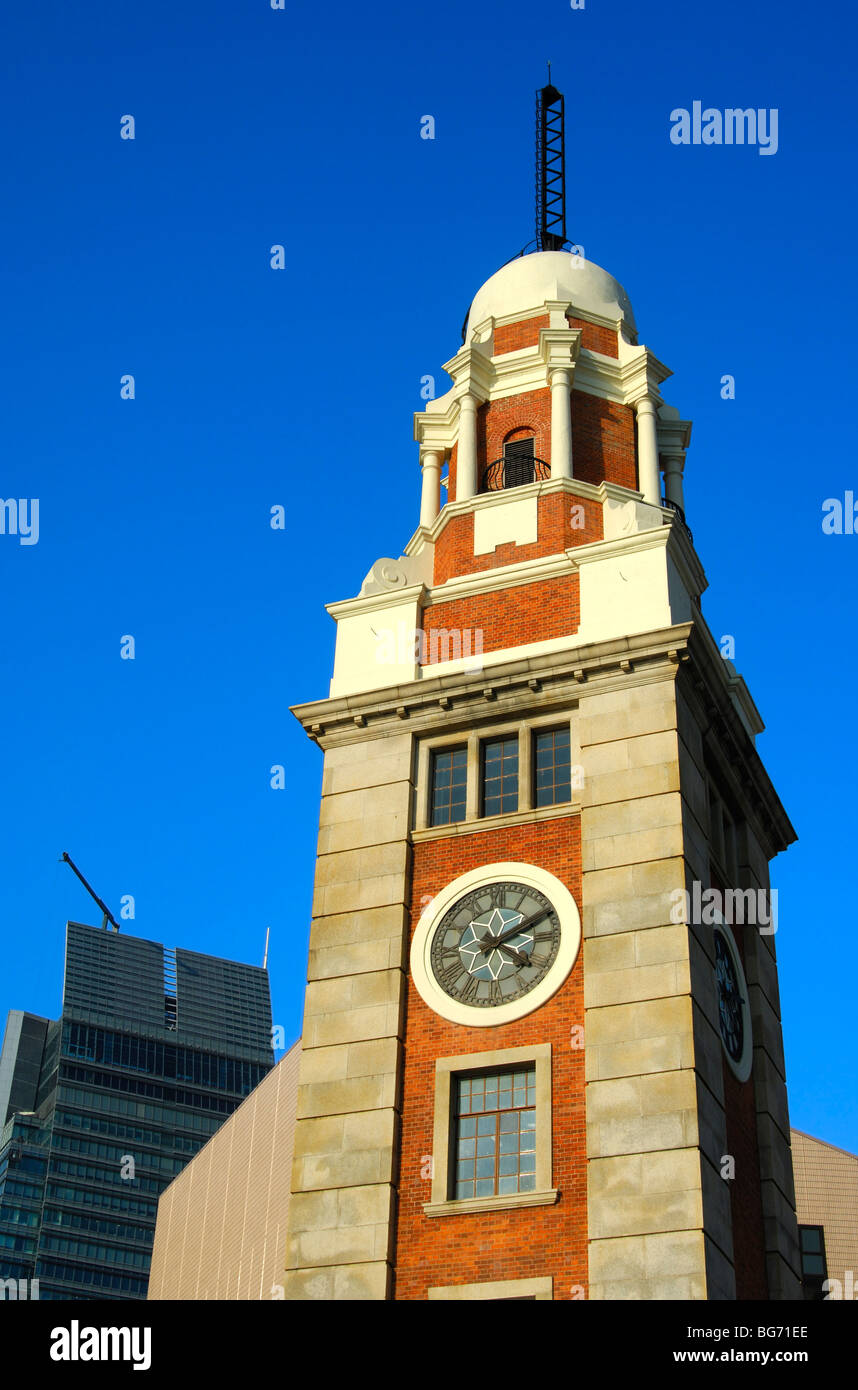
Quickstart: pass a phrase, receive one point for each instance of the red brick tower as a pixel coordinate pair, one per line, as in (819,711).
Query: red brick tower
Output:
(533,1067)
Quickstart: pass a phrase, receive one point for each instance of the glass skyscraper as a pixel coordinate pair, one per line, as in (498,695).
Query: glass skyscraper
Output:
(101,1109)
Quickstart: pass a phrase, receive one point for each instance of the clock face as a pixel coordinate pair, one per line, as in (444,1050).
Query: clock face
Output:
(731,1003)
(495,944)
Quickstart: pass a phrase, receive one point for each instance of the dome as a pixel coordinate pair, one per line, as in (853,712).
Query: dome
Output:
(528,281)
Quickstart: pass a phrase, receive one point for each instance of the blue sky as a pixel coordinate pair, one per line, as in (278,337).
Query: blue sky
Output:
(255,388)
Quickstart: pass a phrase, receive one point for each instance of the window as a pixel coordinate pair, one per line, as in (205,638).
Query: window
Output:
(524,769)
(449,786)
(492,1132)
(722,835)
(814,1271)
(552,767)
(518,462)
(500,776)
(495,1134)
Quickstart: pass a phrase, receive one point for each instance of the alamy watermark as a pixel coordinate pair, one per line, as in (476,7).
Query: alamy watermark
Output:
(732,126)
(837,1289)
(840,517)
(19,1290)
(20,517)
(407,645)
(707,907)
(77,1343)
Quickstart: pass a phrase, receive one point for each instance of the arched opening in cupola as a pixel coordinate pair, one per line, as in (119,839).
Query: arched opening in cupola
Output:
(518,465)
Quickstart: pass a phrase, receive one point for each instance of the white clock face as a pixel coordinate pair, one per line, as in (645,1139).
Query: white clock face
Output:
(495,944)
(734,1013)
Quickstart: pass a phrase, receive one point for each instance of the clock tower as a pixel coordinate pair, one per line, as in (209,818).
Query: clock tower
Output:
(542,1052)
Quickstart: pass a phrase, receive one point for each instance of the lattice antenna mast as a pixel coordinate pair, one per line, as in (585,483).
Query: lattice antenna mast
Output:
(550,169)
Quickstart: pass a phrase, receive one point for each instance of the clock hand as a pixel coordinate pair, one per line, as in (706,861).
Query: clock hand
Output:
(532,919)
(518,956)
(523,927)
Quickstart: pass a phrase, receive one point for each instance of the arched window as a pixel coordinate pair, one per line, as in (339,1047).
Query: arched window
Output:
(518,461)
(519,464)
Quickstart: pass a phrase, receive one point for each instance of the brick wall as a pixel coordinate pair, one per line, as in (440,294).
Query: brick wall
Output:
(518,1244)
(558,528)
(497,420)
(603,441)
(509,617)
(595,338)
(512,336)
(746,1205)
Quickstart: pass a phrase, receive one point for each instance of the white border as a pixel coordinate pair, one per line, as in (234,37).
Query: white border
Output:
(741,1069)
(421,947)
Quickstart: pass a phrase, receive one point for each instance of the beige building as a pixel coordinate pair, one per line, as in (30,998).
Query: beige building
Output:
(222,1223)
(826,1197)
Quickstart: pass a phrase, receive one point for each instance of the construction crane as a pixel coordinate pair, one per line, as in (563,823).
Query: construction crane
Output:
(108,915)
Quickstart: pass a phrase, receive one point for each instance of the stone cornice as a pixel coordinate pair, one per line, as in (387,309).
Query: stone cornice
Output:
(487,326)
(685,557)
(542,567)
(673,537)
(576,487)
(457,701)
(674,436)
(559,347)
(504,577)
(369,603)
(423,536)
(641,373)
(707,682)
(437,427)
(636,373)
(471,371)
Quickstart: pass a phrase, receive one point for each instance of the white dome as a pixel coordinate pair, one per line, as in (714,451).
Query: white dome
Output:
(528,281)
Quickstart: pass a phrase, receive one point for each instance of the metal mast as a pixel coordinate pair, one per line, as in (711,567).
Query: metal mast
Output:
(550,169)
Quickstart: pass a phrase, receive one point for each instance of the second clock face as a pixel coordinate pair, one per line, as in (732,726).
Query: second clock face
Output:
(730,1000)
(495,944)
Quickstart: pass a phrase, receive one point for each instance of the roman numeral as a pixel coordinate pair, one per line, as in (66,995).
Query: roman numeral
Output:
(469,990)
(450,974)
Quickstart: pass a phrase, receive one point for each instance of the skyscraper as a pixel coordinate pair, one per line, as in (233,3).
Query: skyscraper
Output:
(101,1109)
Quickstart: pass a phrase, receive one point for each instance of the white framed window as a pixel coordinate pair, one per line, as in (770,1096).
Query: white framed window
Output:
(492,1130)
(523,769)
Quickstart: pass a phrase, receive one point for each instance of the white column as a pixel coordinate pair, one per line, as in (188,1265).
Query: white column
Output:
(561,423)
(648,479)
(466,456)
(430,498)
(673,466)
